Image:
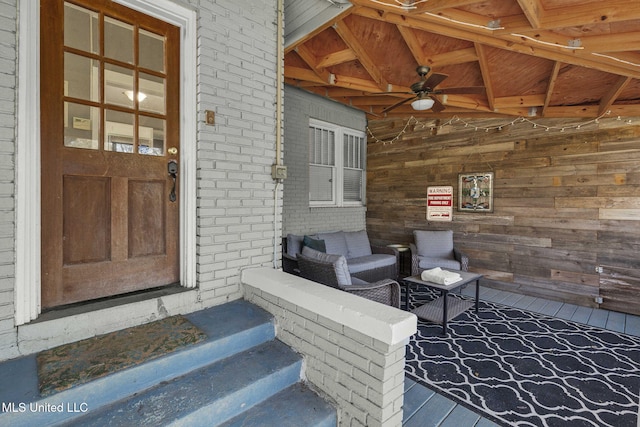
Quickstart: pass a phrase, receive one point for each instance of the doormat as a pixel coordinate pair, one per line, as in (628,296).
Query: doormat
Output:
(520,368)
(80,362)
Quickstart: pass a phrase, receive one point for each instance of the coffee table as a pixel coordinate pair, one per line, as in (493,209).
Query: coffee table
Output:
(444,308)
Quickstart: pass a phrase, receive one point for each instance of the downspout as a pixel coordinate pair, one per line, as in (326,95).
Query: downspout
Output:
(278,171)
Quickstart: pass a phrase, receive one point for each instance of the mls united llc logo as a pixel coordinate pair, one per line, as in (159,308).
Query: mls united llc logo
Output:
(68,407)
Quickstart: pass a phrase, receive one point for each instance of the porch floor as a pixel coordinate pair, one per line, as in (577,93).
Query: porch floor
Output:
(424,407)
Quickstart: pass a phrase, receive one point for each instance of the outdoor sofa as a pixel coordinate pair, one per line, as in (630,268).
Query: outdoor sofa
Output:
(364,261)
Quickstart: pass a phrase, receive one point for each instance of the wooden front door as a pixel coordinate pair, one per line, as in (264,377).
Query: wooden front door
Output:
(110,129)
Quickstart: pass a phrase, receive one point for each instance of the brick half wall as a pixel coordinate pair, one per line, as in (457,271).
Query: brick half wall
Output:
(354,349)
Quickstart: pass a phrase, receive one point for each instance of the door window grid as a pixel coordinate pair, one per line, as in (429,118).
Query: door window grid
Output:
(114,80)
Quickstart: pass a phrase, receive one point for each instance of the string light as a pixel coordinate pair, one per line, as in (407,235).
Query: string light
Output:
(401,5)
(455,120)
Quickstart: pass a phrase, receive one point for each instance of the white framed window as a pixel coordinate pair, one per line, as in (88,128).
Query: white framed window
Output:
(337,165)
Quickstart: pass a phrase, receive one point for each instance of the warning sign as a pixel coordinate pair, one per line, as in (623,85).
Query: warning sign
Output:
(440,203)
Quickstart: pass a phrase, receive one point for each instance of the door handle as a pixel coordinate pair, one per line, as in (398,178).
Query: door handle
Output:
(172,168)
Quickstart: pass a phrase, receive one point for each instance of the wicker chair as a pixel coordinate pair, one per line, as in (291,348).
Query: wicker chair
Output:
(435,249)
(386,291)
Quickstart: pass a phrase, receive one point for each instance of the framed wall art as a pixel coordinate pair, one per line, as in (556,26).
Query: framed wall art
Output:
(475,192)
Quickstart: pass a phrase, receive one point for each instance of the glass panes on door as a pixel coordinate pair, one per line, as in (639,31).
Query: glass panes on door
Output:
(115,90)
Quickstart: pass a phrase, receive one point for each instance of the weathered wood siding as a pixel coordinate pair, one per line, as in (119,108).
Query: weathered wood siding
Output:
(565,203)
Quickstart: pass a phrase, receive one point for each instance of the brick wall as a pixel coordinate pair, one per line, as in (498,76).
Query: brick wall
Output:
(298,217)
(8,108)
(351,354)
(236,74)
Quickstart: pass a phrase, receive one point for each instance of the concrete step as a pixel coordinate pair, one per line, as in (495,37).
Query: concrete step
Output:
(294,406)
(232,329)
(208,396)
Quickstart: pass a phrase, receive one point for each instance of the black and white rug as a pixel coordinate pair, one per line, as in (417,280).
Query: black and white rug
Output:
(519,368)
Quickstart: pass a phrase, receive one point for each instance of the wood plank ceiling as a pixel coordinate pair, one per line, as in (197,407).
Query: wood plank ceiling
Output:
(534,58)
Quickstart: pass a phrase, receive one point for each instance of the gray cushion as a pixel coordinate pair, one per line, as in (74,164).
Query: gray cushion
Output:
(335,243)
(359,281)
(434,244)
(294,244)
(313,243)
(339,263)
(427,263)
(369,262)
(357,243)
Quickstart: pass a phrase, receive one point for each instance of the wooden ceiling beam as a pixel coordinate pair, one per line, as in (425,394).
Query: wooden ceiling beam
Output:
(335,58)
(610,97)
(463,102)
(486,74)
(454,57)
(356,83)
(412,43)
(612,42)
(598,12)
(438,5)
(352,41)
(309,58)
(533,11)
(506,42)
(297,73)
(553,78)
(518,101)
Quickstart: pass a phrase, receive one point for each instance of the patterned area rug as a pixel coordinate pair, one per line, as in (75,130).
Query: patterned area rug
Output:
(519,368)
(82,361)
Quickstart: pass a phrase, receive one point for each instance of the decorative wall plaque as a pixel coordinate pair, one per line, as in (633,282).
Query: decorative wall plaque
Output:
(475,192)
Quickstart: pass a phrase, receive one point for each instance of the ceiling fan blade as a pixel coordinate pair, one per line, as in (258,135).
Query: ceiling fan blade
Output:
(397,104)
(461,90)
(437,105)
(432,81)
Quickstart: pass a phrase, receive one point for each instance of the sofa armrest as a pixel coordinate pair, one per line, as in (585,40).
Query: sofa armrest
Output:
(384,250)
(290,264)
(462,258)
(386,291)
(415,269)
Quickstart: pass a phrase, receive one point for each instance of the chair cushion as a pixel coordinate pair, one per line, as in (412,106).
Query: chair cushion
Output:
(313,243)
(294,244)
(434,244)
(339,263)
(357,243)
(358,281)
(370,262)
(428,263)
(335,243)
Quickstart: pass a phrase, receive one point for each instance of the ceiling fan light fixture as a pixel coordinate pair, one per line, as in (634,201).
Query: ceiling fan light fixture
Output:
(422,104)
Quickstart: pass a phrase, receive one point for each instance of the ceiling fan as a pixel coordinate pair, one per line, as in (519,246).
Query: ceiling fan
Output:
(425,89)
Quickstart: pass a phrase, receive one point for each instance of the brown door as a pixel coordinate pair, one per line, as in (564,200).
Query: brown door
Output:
(110,127)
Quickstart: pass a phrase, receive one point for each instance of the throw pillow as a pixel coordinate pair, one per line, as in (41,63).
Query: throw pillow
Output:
(315,244)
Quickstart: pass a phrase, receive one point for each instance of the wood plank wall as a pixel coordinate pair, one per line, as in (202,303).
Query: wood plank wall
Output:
(565,202)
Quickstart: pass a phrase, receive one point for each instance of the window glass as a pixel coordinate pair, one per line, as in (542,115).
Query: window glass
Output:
(81,126)
(81,28)
(151,140)
(118,40)
(151,48)
(336,165)
(81,77)
(118,86)
(119,135)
